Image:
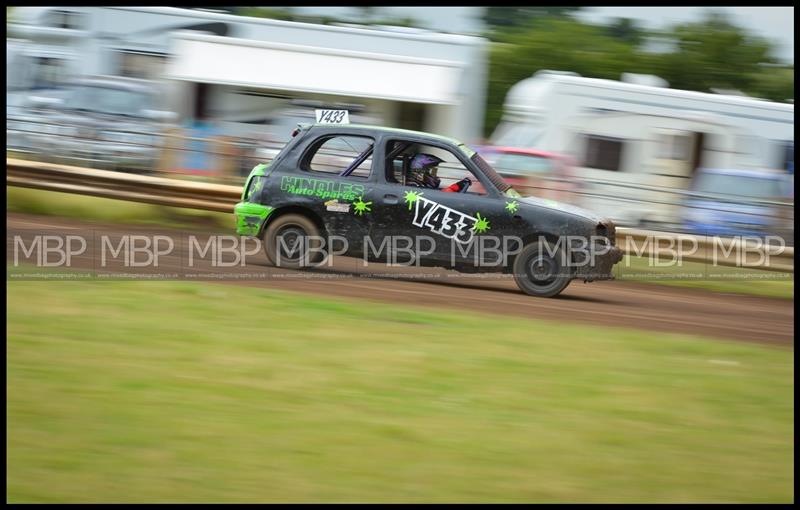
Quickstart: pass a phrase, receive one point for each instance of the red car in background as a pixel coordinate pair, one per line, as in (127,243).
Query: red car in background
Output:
(535,173)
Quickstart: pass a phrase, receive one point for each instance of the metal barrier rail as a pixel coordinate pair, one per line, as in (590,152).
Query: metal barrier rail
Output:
(221,198)
(721,251)
(117,185)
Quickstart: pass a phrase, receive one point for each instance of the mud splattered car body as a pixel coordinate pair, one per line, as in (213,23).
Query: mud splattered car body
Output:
(364,199)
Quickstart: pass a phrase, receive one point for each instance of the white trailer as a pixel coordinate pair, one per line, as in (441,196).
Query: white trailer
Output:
(627,138)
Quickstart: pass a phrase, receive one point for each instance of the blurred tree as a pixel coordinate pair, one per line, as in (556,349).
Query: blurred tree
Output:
(558,44)
(712,53)
(399,22)
(626,29)
(367,13)
(775,83)
(519,16)
(281,13)
(228,9)
(504,22)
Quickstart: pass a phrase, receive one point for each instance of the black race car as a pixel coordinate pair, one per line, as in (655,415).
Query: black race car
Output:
(407,197)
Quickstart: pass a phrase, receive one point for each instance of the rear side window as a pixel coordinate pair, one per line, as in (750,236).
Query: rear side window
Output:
(336,154)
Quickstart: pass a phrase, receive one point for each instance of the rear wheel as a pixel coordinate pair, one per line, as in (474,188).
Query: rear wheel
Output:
(539,271)
(287,240)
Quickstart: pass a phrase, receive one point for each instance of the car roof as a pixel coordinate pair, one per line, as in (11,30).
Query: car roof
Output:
(383,129)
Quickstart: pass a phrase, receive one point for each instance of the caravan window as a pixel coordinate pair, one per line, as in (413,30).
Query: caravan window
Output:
(787,157)
(603,152)
(674,147)
(149,66)
(65,19)
(49,72)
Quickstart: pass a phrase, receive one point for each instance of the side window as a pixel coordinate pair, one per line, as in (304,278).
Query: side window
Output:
(65,19)
(787,151)
(603,152)
(49,72)
(400,155)
(674,146)
(336,154)
(141,65)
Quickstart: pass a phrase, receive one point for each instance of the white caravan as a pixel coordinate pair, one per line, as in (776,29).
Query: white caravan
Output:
(628,138)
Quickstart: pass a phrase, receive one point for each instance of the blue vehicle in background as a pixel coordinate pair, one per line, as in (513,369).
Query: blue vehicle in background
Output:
(739,202)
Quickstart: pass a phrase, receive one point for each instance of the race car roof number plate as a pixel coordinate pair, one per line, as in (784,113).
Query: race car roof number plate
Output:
(332,116)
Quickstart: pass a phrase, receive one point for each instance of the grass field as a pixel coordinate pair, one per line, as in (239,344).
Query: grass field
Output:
(732,280)
(82,207)
(176,392)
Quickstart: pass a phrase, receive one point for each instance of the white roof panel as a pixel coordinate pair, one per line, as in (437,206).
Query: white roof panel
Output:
(241,62)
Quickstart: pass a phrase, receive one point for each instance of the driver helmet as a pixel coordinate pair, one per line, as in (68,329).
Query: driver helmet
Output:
(422,171)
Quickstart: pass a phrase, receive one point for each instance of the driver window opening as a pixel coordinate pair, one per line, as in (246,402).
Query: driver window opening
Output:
(429,167)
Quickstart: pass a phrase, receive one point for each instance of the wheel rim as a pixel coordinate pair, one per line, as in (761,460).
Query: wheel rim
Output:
(542,271)
(291,237)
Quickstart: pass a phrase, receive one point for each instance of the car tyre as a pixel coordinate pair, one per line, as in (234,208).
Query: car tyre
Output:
(290,254)
(540,274)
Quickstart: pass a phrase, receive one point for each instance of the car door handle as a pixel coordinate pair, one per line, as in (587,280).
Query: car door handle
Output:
(390,199)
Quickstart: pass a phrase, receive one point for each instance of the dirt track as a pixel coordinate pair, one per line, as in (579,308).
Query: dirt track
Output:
(638,305)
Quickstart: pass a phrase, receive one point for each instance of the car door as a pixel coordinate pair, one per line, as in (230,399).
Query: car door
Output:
(450,228)
(334,177)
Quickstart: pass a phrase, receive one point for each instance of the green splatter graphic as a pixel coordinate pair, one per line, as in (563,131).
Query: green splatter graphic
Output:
(482,225)
(255,187)
(359,206)
(250,217)
(411,197)
(512,206)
